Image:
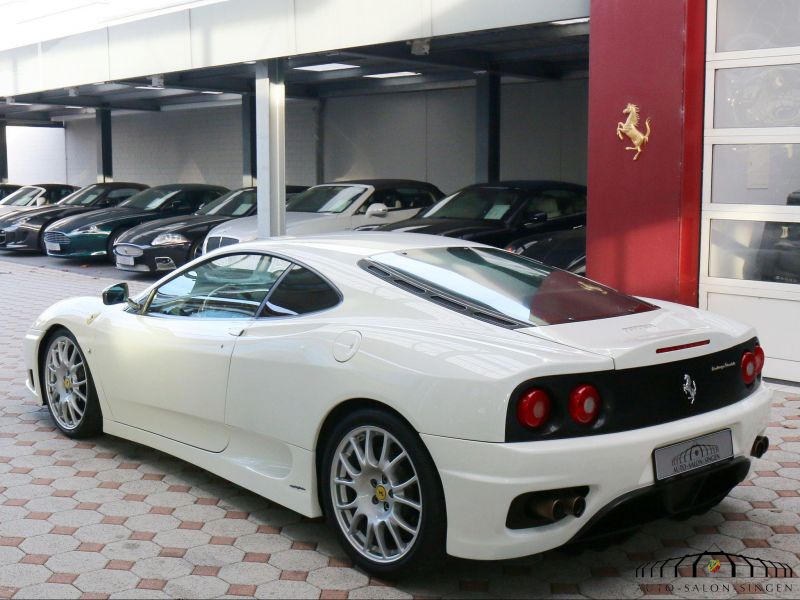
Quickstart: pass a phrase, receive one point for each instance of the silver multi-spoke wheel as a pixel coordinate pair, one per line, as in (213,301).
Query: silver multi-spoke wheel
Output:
(377,497)
(66,382)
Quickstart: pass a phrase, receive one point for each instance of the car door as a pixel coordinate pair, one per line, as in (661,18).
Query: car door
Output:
(284,363)
(165,368)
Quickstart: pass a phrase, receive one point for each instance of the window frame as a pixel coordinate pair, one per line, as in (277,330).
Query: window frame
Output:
(145,305)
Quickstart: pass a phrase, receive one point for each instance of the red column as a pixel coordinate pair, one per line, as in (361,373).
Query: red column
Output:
(644,214)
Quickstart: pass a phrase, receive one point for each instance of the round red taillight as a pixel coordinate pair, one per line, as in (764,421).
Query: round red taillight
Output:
(533,408)
(759,355)
(748,368)
(584,404)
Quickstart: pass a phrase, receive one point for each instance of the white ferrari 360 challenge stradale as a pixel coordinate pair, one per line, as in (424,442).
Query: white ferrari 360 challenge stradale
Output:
(427,395)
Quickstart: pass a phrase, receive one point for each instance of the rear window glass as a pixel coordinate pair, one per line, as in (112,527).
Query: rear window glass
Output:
(511,285)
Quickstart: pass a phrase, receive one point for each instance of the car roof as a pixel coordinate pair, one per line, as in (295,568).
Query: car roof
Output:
(348,246)
(49,186)
(120,184)
(189,186)
(529,184)
(383,183)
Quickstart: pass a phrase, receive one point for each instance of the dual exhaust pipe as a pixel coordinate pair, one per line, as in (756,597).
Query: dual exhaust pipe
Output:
(554,507)
(760,446)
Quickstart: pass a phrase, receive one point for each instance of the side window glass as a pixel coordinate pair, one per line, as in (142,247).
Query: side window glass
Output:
(228,287)
(410,198)
(114,197)
(378,196)
(556,203)
(301,291)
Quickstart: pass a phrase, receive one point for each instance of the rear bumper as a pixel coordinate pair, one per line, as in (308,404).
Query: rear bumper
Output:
(480,479)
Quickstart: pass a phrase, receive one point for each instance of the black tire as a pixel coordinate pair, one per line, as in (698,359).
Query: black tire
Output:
(428,548)
(91,423)
(195,250)
(112,239)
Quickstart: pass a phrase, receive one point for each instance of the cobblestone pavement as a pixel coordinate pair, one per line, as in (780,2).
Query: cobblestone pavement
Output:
(108,518)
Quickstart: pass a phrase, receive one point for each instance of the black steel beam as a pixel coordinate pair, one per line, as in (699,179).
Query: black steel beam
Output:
(102,119)
(3,154)
(320,140)
(89,102)
(487,127)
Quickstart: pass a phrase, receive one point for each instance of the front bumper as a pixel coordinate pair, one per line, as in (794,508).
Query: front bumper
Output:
(79,245)
(19,238)
(480,479)
(152,258)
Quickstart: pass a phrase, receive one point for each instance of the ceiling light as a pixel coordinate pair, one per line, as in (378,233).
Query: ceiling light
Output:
(248,62)
(148,87)
(20,104)
(211,92)
(571,21)
(395,74)
(69,106)
(326,67)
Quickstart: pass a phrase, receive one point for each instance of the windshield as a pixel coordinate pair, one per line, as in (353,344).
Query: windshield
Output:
(481,204)
(83,197)
(513,286)
(150,199)
(22,197)
(238,203)
(324,199)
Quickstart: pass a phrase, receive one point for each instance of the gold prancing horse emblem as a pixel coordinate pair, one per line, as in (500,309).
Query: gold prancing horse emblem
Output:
(638,139)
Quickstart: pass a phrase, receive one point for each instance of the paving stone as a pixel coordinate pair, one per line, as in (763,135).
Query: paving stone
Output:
(48,544)
(76,562)
(286,589)
(214,555)
(162,567)
(48,590)
(22,575)
(105,581)
(248,573)
(131,550)
(195,586)
(298,560)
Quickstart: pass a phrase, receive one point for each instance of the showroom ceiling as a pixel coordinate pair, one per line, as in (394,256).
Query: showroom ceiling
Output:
(545,51)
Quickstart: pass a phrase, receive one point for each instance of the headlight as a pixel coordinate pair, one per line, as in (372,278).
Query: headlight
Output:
(170,239)
(88,229)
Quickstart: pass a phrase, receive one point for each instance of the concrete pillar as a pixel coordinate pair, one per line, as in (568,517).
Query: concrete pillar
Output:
(3,154)
(249,162)
(270,98)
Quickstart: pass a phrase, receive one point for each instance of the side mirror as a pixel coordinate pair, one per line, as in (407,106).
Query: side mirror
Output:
(116,294)
(377,210)
(535,219)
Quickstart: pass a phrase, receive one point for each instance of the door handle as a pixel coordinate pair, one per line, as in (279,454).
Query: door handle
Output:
(236,331)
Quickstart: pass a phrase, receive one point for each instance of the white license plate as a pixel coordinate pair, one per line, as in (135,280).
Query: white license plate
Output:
(692,454)
(126,261)
(52,246)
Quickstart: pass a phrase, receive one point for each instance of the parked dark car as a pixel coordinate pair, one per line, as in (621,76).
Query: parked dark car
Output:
(28,197)
(165,244)
(7,188)
(498,213)
(561,249)
(23,230)
(94,233)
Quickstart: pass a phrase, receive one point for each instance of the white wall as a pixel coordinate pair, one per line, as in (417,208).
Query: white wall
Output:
(36,155)
(431,135)
(202,145)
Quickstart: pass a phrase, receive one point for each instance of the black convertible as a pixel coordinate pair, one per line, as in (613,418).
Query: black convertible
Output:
(23,230)
(499,213)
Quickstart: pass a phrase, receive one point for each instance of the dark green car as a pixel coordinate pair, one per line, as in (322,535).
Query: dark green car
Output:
(94,233)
